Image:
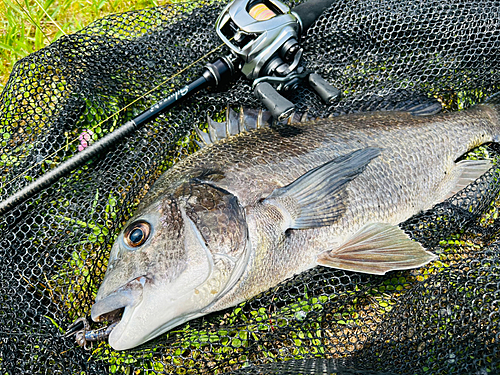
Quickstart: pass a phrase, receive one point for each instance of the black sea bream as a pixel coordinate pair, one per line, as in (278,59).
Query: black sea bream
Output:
(255,208)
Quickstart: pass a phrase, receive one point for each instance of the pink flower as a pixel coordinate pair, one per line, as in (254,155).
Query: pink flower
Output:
(85,139)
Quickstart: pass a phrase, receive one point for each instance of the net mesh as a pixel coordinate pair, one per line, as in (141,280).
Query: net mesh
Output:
(439,319)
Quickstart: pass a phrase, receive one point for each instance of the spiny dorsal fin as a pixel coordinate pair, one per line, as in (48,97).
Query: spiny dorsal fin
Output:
(249,118)
(264,119)
(216,130)
(241,119)
(304,117)
(246,120)
(232,122)
(204,137)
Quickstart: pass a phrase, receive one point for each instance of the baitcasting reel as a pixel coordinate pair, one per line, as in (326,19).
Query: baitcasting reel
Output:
(262,36)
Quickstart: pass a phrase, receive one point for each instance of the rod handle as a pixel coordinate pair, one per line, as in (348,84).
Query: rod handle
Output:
(309,11)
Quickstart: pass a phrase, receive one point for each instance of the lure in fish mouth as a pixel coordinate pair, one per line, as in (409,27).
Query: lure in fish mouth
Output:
(85,337)
(251,210)
(114,308)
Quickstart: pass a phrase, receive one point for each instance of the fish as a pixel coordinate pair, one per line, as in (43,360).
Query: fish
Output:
(260,203)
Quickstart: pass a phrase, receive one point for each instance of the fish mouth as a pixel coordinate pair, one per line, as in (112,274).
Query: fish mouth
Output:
(116,305)
(112,316)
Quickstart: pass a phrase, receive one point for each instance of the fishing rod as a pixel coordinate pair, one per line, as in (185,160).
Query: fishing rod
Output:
(263,38)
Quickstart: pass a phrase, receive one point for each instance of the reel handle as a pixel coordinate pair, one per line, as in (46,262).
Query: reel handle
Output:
(280,107)
(326,91)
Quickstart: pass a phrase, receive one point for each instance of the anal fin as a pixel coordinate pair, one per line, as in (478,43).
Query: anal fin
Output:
(376,249)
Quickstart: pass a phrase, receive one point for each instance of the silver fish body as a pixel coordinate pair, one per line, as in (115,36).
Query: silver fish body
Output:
(253,209)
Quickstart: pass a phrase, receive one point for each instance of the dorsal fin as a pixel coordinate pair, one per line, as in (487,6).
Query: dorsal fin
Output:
(247,119)
(204,137)
(216,130)
(232,122)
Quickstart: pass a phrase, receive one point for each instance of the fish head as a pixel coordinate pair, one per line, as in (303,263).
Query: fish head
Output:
(174,259)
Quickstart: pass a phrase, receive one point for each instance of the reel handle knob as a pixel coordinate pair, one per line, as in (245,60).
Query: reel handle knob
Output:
(326,91)
(279,107)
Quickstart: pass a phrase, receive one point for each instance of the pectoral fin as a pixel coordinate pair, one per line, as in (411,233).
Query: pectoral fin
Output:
(376,249)
(318,198)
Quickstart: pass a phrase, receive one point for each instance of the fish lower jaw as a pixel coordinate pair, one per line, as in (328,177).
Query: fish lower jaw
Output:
(116,334)
(172,324)
(121,338)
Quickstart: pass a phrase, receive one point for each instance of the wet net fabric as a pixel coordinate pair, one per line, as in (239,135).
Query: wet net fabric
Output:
(443,318)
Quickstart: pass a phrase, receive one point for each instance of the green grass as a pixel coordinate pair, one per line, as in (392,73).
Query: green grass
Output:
(25,25)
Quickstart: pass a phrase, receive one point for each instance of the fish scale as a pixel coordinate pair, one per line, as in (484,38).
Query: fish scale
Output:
(248,211)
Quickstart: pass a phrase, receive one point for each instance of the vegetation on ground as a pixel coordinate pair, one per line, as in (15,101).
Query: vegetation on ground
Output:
(29,25)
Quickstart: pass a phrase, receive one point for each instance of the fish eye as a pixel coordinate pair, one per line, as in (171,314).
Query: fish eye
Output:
(137,233)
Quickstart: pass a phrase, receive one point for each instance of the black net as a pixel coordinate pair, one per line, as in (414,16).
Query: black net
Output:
(443,318)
